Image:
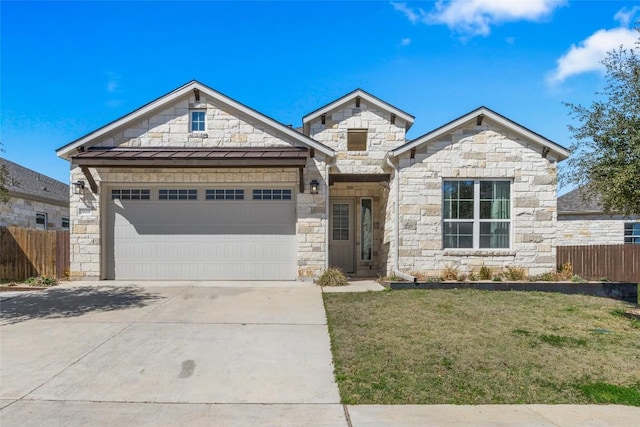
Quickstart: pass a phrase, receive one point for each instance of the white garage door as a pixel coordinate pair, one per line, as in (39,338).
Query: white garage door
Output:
(201,233)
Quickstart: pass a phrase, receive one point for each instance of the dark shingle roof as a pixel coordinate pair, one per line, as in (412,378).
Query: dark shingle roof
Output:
(27,182)
(574,201)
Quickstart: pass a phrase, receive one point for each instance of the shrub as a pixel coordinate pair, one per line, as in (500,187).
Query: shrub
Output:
(485,273)
(41,281)
(449,273)
(545,277)
(565,272)
(514,273)
(420,275)
(332,277)
(472,277)
(497,278)
(577,279)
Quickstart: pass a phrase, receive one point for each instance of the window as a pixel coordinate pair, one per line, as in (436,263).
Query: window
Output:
(177,194)
(632,233)
(224,194)
(366,230)
(198,121)
(357,140)
(130,194)
(271,194)
(41,220)
(340,221)
(476,214)
(65,223)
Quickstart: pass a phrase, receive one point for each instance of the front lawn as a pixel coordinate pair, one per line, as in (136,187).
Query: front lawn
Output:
(475,347)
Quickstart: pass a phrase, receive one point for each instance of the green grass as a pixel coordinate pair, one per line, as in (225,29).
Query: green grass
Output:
(475,347)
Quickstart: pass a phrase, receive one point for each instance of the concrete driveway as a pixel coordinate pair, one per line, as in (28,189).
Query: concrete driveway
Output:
(167,353)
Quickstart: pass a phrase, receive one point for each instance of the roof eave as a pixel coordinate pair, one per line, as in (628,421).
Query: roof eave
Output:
(560,152)
(408,118)
(66,150)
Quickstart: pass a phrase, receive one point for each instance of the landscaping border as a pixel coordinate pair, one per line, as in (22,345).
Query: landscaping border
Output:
(616,290)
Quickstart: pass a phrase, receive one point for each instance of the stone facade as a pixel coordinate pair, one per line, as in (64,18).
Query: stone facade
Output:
(409,241)
(382,136)
(592,229)
(171,128)
(477,152)
(21,212)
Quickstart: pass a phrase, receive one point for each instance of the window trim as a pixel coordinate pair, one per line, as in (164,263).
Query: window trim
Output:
(192,122)
(45,216)
(631,238)
(476,220)
(358,131)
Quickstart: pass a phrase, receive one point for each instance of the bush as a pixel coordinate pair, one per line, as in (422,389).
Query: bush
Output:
(545,277)
(514,273)
(41,281)
(449,273)
(565,272)
(485,273)
(333,277)
(577,279)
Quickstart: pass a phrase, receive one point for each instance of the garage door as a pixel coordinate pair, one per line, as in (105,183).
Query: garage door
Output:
(201,233)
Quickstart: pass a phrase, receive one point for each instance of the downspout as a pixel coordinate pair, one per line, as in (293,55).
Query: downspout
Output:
(396,214)
(328,166)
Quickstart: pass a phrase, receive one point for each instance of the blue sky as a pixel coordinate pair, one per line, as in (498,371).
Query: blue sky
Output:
(68,68)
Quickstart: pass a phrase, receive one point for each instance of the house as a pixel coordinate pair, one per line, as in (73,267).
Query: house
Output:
(582,221)
(35,200)
(195,185)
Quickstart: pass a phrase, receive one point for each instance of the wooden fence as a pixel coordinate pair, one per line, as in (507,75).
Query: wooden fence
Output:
(620,263)
(26,252)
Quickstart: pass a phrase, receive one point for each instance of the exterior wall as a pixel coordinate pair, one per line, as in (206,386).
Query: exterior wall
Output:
(378,194)
(21,212)
(225,127)
(87,227)
(590,229)
(477,152)
(382,136)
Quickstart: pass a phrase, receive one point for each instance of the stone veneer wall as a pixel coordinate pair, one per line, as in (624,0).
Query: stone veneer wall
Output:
(225,127)
(478,152)
(382,136)
(86,243)
(592,229)
(21,212)
(375,191)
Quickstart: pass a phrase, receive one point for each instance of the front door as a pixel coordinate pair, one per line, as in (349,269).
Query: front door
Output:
(341,244)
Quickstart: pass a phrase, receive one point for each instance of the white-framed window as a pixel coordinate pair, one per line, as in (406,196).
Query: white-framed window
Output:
(356,140)
(41,220)
(476,214)
(131,194)
(366,229)
(224,194)
(198,119)
(64,224)
(632,233)
(177,194)
(271,194)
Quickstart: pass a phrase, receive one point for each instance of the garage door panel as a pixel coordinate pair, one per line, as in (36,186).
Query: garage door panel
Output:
(201,240)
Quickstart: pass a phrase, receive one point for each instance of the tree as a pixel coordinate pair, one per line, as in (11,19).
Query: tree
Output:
(4,177)
(605,159)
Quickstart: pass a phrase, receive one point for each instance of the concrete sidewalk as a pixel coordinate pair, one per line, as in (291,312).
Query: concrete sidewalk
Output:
(202,354)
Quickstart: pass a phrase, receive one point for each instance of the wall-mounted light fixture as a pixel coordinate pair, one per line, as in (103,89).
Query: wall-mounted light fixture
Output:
(315,186)
(78,186)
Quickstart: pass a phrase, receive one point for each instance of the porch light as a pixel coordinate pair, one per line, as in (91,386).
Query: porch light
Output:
(315,186)
(78,186)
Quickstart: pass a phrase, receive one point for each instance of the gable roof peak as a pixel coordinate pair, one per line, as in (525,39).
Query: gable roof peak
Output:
(358,92)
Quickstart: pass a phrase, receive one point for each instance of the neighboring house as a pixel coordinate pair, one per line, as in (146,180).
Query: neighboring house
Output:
(196,185)
(582,221)
(35,200)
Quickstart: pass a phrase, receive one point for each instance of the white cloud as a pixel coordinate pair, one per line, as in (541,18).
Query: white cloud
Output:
(476,17)
(113,82)
(625,16)
(588,54)
(405,41)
